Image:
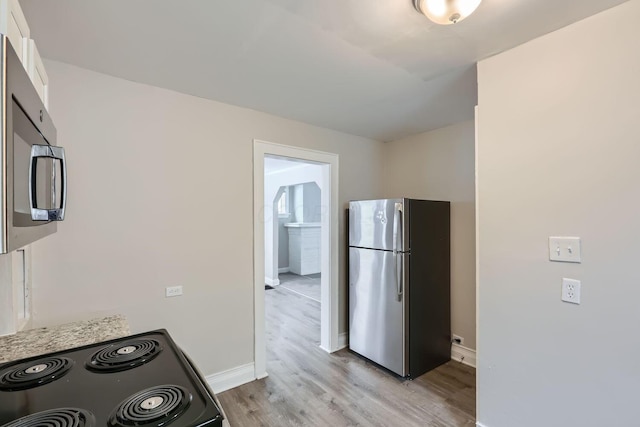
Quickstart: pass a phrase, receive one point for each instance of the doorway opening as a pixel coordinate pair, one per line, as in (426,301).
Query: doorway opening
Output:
(276,211)
(292,250)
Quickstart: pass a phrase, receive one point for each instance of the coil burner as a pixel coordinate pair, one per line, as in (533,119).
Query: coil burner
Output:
(63,417)
(124,355)
(153,407)
(34,373)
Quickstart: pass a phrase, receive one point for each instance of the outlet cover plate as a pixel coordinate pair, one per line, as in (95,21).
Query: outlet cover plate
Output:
(571,290)
(173,291)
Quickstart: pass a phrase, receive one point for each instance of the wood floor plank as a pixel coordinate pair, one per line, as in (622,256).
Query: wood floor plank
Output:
(308,387)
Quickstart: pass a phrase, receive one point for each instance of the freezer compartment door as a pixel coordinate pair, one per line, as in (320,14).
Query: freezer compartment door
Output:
(376,307)
(378,224)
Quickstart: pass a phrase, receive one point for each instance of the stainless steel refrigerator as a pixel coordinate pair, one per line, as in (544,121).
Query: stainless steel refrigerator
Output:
(399,283)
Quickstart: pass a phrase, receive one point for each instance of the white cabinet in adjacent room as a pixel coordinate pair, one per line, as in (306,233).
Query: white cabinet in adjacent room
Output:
(304,248)
(14,25)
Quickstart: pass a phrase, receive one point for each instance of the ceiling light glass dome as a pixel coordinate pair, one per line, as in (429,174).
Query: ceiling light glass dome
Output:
(446,12)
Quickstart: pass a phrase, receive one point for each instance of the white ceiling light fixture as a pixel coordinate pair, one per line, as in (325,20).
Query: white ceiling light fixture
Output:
(446,12)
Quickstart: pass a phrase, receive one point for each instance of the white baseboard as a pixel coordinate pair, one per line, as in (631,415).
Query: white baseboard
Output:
(284,270)
(271,282)
(234,377)
(480,425)
(342,340)
(342,343)
(463,354)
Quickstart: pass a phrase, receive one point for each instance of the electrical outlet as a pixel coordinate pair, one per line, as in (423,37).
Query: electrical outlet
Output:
(571,291)
(173,291)
(458,339)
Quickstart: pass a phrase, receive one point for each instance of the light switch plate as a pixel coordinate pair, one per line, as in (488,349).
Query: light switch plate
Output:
(565,249)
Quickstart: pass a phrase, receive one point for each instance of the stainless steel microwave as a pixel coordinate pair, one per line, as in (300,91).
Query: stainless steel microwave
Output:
(33,177)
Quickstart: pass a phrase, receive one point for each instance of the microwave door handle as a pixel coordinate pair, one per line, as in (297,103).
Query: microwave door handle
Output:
(63,181)
(51,152)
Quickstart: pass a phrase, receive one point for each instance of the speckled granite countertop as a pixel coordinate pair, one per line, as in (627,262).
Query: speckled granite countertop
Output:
(47,340)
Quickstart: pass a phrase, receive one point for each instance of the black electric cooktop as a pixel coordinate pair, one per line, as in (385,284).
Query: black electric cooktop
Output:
(140,380)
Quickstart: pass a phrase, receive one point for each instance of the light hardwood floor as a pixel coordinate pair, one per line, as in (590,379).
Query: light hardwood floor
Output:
(308,286)
(308,387)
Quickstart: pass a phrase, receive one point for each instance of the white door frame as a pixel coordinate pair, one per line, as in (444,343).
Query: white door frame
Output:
(328,252)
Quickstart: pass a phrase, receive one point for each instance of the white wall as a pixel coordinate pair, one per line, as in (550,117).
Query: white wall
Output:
(558,154)
(310,204)
(439,165)
(160,194)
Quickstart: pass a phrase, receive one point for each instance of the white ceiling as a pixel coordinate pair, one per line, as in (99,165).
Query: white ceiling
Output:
(371,68)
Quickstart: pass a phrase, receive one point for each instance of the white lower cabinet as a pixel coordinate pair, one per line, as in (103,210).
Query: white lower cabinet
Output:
(15,291)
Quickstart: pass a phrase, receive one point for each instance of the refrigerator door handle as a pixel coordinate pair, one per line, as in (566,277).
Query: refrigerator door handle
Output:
(400,276)
(398,217)
(397,223)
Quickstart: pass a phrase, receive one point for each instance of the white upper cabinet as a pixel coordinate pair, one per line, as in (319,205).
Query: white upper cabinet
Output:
(38,74)
(14,25)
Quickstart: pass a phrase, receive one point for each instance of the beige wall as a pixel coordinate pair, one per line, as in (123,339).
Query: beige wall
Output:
(160,194)
(439,165)
(559,149)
